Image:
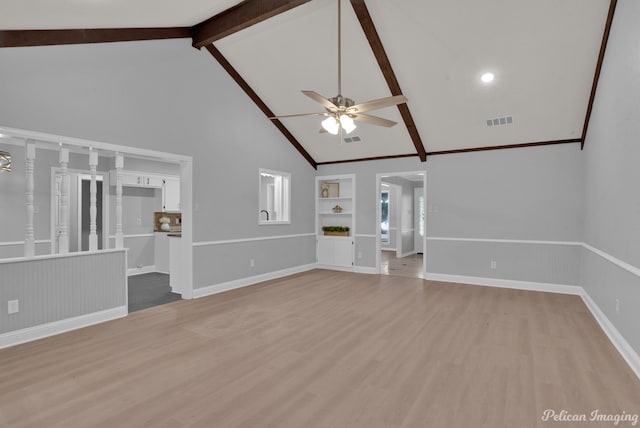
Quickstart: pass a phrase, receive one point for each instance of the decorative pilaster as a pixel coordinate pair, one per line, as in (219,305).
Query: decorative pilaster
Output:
(29,234)
(93,199)
(63,214)
(119,234)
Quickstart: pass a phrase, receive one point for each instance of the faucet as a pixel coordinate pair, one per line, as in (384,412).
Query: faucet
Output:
(266,212)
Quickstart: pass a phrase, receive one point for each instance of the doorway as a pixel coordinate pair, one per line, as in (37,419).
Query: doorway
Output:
(401,240)
(78,214)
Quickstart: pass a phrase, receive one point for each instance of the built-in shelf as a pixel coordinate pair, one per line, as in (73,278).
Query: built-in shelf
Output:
(335,251)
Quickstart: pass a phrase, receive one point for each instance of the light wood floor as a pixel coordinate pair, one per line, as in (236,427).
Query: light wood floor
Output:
(411,266)
(326,349)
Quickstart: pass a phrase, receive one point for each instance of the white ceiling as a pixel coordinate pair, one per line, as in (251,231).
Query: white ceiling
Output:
(73,14)
(543,53)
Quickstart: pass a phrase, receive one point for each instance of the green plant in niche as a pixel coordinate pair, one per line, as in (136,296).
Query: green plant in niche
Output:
(335,228)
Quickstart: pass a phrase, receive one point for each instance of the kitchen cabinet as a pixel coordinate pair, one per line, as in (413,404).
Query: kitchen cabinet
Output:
(171,194)
(137,179)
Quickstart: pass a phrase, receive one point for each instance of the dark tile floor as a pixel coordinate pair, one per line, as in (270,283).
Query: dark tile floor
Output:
(149,290)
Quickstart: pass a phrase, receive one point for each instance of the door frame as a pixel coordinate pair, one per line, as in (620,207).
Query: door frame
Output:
(379,177)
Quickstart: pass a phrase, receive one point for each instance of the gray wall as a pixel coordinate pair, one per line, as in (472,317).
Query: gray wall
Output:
(612,177)
(520,194)
(166,96)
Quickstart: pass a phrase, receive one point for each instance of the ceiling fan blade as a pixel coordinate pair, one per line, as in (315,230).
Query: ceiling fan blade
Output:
(373,120)
(322,131)
(298,115)
(320,99)
(376,104)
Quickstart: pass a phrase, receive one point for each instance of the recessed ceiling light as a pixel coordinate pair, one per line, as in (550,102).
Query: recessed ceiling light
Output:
(487,77)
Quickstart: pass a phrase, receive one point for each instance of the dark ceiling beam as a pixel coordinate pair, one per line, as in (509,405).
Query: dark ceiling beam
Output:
(362,12)
(508,146)
(23,38)
(261,105)
(596,77)
(409,155)
(239,17)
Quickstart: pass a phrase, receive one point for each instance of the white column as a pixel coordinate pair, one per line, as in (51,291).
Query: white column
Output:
(29,235)
(63,240)
(119,234)
(93,199)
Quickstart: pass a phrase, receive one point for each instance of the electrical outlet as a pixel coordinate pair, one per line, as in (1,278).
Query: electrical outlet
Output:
(139,221)
(252,263)
(493,264)
(618,305)
(13,306)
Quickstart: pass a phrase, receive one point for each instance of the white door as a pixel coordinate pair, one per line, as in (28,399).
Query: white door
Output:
(418,219)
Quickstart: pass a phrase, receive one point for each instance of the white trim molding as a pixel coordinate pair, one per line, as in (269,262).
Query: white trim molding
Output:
(251,280)
(62,256)
(139,235)
(261,238)
(139,271)
(50,329)
(503,241)
(616,261)
(16,243)
(506,283)
(624,348)
(362,235)
(366,269)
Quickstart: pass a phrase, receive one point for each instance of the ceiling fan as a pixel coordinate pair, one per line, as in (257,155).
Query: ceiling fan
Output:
(341,112)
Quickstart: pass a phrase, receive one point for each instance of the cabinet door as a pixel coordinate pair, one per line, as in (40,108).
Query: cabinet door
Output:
(171,194)
(153,181)
(343,252)
(325,251)
(131,179)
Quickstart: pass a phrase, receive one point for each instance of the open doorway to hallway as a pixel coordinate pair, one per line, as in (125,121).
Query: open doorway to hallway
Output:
(402,232)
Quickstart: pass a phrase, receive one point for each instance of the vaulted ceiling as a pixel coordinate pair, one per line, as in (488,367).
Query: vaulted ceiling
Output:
(545,56)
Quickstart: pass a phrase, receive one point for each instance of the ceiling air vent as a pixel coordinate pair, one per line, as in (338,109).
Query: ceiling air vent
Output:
(352,139)
(499,121)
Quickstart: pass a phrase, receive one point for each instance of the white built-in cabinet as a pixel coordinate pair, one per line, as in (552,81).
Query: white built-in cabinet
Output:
(171,194)
(169,184)
(137,179)
(335,206)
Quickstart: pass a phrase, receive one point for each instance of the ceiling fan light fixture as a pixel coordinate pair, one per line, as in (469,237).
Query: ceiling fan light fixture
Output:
(331,125)
(487,77)
(347,123)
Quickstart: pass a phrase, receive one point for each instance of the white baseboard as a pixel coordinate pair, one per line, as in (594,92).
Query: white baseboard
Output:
(340,268)
(409,253)
(244,282)
(506,283)
(628,353)
(50,329)
(140,271)
(366,269)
